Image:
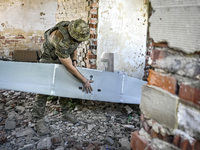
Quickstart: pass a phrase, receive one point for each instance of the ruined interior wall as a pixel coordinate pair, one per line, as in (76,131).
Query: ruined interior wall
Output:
(169,26)
(170,102)
(71,10)
(122,30)
(23,23)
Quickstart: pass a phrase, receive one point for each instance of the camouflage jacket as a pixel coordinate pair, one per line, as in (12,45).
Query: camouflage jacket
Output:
(58,43)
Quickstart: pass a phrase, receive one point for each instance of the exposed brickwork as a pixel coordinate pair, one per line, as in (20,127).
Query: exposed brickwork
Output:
(157,55)
(178,73)
(188,89)
(147,66)
(175,62)
(150,54)
(91,56)
(20,32)
(11,42)
(195,145)
(177,140)
(184,144)
(192,94)
(163,81)
(162,132)
(137,143)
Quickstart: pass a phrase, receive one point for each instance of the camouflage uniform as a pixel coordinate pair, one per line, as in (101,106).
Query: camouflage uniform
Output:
(60,41)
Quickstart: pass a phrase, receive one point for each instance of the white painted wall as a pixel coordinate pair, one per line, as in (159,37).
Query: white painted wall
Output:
(27,15)
(122,30)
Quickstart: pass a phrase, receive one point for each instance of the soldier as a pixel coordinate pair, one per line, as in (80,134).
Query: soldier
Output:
(60,46)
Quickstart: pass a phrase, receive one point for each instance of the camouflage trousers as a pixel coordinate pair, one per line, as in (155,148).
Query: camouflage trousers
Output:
(40,105)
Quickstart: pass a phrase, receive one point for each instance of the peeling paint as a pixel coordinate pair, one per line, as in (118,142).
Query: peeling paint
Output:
(122,30)
(23,23)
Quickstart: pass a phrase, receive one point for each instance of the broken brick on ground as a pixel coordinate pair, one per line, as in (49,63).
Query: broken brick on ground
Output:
(101,125)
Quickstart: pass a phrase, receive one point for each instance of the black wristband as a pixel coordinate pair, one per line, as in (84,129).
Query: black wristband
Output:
(74,60)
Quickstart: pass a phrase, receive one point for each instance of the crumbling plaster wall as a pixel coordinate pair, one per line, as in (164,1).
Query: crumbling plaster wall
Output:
(71,10)
(122,30)
(23,23)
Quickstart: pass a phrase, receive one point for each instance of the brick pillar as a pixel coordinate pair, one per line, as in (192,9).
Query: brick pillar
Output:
(91,56)
(151,46)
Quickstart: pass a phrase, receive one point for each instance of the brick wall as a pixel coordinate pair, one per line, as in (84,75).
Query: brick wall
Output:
(91,56)
(170,103)
(11,42)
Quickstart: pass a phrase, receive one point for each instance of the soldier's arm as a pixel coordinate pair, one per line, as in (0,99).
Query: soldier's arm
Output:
(74,57)
(67,62)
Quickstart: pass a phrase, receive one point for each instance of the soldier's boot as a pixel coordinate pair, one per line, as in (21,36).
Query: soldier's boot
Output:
(38,111)
(65,105)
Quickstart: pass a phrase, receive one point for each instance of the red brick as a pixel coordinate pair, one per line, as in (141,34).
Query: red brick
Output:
(2,37)
(93,66)
(94,16)
(157,54)
(189,93)
(168,138)
(93,21)
(92,25)
(93,36)
(163,81)
(137,142)
(195,145)
(92,31)
(92,56)
(153,134)
(90,147)
(142,118)
(177,141)
(19,37)
(94,5)
(162,44)
(178,64)
(93,11)
(184,144)
(146,127)
(89,52)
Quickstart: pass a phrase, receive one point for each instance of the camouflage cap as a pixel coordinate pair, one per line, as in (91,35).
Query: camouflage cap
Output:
(79,30)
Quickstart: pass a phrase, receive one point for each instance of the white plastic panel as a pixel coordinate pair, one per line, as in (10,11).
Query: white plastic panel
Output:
(54,79)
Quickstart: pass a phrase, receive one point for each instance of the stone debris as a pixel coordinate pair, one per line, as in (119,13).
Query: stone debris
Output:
(128,109)
(45,143)
(24,132)
(98,125)
(3,139)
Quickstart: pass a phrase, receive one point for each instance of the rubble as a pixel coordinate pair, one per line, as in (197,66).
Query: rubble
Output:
(99,125)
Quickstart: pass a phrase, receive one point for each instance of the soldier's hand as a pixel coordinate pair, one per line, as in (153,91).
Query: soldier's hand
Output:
(87,86)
